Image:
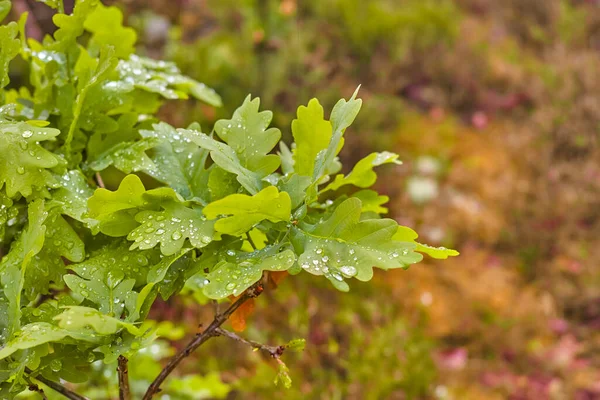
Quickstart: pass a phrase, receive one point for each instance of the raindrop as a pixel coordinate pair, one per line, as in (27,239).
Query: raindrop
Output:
(55,365)
(348,270)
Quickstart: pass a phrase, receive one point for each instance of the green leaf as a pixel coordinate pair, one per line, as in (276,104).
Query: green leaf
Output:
(24,162)
(221,183)
(372,201)
(342,116)
(77,318)
(6,213)
(55,4)
(171,227)
(247,134)
(312,134)
(436,252)
(91,72)
(345,246)
(111,97)
(48,265)
(362,175)
(9,44)
(283,375)
(5,6)
(178,162)
(73,194)
(35,334)
(127,157)
(226,158)
(240,270)
(115,211)
(296,345)
(106,26)
(170,274)
(243,212)
(408,235)
(164,79)
(13,267)
(70,27)
(295,185)
(128,346)
(108,277)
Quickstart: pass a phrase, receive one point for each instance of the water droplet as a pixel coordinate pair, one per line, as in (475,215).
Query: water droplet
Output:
(20,170)
(231,286)
(337,276)
(348,270)
(176,235)
(55,365)
(27,134)
(113,278)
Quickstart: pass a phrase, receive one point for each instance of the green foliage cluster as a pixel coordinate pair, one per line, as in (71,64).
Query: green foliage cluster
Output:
(82,265)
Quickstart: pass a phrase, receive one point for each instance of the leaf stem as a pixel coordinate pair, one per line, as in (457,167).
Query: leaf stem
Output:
(273,351)
(99,180)
(251,241)
(252,292)
(124,393)
(56,387)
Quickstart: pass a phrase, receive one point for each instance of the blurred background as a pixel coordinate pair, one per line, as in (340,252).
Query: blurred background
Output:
(494,107)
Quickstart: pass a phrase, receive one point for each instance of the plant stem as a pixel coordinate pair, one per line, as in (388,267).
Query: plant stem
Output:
(99,180)
(35,388)
(273,351)
(251,241)
(57,387)
(124,393)
(201,338)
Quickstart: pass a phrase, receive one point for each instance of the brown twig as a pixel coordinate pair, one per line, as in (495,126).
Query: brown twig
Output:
(124,393)
(216,308)
(35,388)
(273,351)
(201,338)
(56,387)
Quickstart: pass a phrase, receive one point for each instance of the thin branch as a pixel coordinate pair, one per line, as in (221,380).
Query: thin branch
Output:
(201,338)
(99,180)
(35,388)
(57,387)
(273,351)
(124,393)
(215,304)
